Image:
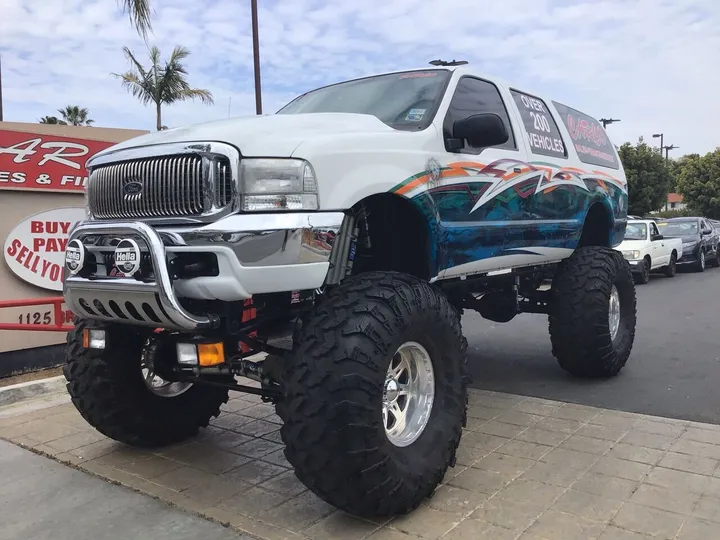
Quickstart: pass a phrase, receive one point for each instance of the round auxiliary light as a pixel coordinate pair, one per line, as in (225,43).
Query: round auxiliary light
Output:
(127,256)
(74,256)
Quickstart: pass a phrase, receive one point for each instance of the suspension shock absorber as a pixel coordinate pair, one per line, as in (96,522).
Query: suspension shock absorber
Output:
(339,255)
(352,250)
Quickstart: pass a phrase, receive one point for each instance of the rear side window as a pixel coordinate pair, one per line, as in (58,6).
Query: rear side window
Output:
(542,131)
(589,138)
(475,96)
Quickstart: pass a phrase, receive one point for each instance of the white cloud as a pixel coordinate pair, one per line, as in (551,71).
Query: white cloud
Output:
(651,63)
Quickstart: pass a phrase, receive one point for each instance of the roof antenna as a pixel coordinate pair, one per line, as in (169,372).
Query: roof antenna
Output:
(446,63)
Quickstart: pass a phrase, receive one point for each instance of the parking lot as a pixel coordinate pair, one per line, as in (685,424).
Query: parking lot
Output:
(673,371)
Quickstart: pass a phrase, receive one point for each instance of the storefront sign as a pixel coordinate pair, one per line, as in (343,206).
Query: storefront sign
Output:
(35,249)
(40,162)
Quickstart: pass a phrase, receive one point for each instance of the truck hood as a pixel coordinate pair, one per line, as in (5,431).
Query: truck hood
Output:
(630,245)
(262,136)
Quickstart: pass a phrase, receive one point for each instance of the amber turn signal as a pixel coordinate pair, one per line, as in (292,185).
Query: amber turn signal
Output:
(210,354)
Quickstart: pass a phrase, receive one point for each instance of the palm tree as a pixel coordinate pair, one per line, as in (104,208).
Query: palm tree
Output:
(76,116)
(139,12)
(161,84)
(52,120)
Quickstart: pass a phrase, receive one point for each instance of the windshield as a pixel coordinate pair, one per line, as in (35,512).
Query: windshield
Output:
(405,100)
(636,231)
(678,228)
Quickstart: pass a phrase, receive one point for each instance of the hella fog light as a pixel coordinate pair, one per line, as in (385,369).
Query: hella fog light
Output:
(93,338)
(187,354)
(74,256)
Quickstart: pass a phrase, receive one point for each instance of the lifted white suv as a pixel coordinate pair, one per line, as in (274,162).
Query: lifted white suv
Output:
(362,218)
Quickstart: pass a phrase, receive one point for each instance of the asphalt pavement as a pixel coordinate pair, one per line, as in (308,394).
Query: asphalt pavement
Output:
(44,499)
(673,371)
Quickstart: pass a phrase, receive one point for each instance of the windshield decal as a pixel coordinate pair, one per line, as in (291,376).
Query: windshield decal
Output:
(415,115)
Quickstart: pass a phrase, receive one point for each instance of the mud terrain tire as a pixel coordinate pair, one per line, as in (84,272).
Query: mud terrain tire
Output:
(107,388)
(643,276)
(333,423)
(580,327)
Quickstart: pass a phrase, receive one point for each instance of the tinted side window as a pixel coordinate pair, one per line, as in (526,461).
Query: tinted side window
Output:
(542,132)
(589,138)
(653,230)
(474,96)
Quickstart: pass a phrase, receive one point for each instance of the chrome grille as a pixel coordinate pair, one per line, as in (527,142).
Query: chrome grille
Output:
(223,182)
(170,186)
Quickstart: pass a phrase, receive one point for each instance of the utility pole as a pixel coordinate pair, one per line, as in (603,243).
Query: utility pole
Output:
(667,150)
(606,121)
(1,112)
(662,144)
(256,55)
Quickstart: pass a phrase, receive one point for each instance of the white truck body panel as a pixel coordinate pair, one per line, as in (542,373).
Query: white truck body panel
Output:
(357,155)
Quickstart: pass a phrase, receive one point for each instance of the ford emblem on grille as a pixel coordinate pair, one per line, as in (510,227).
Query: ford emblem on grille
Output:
(132,188)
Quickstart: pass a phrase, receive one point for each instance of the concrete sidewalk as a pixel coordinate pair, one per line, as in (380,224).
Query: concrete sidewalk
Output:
(43,499)
(528,469)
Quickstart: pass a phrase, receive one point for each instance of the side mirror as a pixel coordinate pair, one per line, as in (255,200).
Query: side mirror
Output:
(706,232)
(657,237)
(481,130)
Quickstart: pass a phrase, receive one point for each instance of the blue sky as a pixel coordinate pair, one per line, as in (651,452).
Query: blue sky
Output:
(651,63)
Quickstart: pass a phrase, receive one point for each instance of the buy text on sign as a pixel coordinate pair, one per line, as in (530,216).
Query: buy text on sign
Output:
(35,249)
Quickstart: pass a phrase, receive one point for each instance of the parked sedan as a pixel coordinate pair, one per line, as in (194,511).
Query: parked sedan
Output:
(699,239)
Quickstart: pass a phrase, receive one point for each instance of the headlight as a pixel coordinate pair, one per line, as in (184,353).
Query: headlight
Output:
(278,184)
(631,254)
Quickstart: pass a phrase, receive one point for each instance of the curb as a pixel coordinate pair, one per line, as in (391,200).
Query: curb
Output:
(33,359)
(27,390)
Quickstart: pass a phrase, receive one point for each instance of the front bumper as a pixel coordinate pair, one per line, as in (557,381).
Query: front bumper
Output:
(255,253)
(691,255)
(636,265)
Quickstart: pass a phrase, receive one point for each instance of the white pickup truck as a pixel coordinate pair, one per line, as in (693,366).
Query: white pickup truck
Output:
(647,250)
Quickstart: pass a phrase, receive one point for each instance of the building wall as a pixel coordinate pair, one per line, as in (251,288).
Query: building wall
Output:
(78,132)
(15,206)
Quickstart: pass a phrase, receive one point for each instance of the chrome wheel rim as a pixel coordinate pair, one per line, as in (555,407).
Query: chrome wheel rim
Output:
(408,394)
(156,384)
(702,259)
(614,312)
